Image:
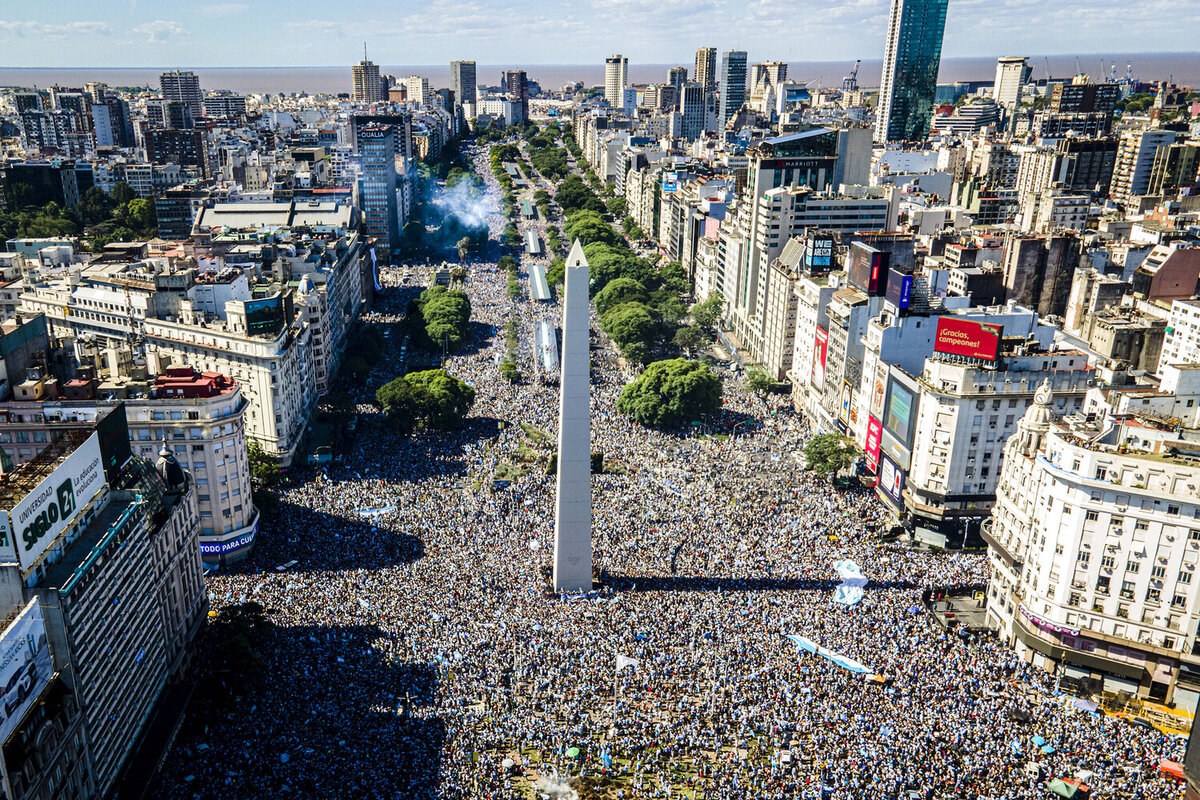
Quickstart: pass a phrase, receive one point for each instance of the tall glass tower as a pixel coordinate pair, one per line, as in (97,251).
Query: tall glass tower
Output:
(911,58)
(733,84)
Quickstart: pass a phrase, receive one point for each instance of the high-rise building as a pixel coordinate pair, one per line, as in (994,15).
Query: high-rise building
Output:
(419,91)
(462,81)
(733,85)
(1012,73)
(1135,161)
(516,87)
(677,77)
(183,87)
(911,58)
(691,108)
(616,78)
(367,86)
(705,73)
(376,145)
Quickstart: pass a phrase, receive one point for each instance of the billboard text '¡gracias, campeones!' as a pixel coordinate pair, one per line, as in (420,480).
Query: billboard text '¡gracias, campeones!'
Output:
(964,337)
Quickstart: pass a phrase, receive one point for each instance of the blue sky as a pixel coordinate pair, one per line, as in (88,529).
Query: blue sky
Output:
(163,33)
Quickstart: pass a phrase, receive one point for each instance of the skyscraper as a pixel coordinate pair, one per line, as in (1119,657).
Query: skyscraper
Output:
(691,108)
(367,87)
(705,73)
(733,84)
(183,87)
(677,77)
(1012,73)
(616,77)
(462,81)
(911,58)
(376,146)
(516,86)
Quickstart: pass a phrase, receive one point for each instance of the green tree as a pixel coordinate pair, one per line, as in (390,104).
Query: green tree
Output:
(557,272)
(827,454)
(428,399)
(464,248)
(618,291)
(95,206)
(589,227)
(413,235)
(633,327)
(691,339)
(706,315)
(671,393)
(122,194)
(264,469)
(616,206)
(447,316)
(758,381)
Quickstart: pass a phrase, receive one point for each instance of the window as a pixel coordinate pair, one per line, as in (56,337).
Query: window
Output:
(1091,516)
(1102,584)
(1058,551)
(1153,594)
(1084,557)
(1172,509)
(1075,599)
(1185,577)
(1141,525)
(1127,589)
(1158,572)
(1179,601)
(1108,562)
(1133,567)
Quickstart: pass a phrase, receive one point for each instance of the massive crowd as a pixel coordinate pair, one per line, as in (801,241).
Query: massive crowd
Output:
(417,650)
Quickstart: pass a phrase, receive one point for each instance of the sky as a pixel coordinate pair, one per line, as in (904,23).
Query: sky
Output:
(273,33)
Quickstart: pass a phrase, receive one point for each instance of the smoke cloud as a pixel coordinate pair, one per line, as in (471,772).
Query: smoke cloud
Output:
(465,203)
(555,789)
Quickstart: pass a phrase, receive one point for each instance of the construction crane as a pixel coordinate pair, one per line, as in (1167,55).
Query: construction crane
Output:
(850,82)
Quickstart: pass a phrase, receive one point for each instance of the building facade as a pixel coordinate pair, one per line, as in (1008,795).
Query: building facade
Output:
(911,59)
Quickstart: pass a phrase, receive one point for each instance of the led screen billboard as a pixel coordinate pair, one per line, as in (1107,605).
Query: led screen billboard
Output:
(968,338)
(26,666)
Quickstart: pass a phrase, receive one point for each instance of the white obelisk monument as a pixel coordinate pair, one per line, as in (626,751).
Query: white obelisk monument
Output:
(573,507)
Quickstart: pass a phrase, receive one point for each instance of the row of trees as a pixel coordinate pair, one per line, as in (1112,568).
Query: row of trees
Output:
(446,317)
(101,217)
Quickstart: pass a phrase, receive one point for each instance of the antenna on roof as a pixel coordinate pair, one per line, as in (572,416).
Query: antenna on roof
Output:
(364,51)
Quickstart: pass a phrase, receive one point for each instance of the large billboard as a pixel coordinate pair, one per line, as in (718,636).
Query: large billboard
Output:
(966,337)
(899,289)
(265,317)
(818,253)
(891,481)
(874,434)
(900,412)
(46,512)
(868,268)
(670,182)
(25,666)
(820,350)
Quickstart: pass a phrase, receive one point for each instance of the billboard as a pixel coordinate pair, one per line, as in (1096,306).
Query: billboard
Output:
(113,434)
(868,268)
(899,289)
(891,481)
(670,182)
(874,434)
(965,337)
(900,412)
(229,546)
(26,666)
(46,512)
(820,350)
(818,254)
(264,317)
(846,414)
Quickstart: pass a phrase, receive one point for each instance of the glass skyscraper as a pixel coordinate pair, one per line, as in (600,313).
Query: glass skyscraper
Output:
(911,58)
(733,84)
(377,187)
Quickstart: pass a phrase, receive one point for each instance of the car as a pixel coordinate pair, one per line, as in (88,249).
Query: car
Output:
(19,685)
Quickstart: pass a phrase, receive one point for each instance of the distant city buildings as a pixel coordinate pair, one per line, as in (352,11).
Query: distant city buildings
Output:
(733,85)
(462,82)
(182,87)
(367,86)
(616,78)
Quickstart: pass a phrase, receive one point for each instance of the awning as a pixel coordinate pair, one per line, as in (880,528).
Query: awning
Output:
(1171,768)
(1069,788)
(1072,671)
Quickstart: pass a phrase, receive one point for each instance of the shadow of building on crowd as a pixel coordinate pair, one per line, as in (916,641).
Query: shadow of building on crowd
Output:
(321,541)
(702,583)
(325,712)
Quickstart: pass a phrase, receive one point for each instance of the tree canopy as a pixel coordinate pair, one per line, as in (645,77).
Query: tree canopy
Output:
(589,227)
(618,291)
(428,399)
(671,393)
(827,454)
(634,327)
(447,317)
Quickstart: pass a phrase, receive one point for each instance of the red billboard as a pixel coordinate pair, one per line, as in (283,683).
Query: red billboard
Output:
(965,337)
(874,435)
(820,350)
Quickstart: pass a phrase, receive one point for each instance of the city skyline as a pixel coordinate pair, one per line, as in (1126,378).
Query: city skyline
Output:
(126,34)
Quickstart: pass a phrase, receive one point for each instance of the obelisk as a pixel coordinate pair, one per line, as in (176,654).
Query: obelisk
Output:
(573,506)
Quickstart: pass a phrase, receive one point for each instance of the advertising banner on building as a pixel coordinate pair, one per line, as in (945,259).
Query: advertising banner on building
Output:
(847,402)
(45,512)
(820,350)
(899,290)
(874,434)
(670,182)
(25,666)
(968,338)
(891,481)
(900,414)
(265,317)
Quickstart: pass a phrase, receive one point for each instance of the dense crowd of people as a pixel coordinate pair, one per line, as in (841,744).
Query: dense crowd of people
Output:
(418,651)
